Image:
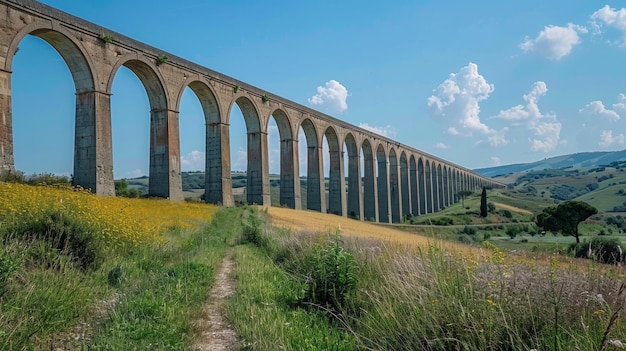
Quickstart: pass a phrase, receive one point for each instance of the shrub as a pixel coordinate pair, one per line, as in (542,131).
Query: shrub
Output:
(604,250)
(8,265)
(252,231)
(506,213)
(469,230)
(63,232)
(331,275)
(512,231)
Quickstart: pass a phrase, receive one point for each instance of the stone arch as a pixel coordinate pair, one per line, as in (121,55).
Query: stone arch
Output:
(93,166)
(395,187)
(215,185)
(370,208)
(289,173)
(413,184)
(435,184)
(405,195)
(257,174)
(354,177)
(421,184)
(336,182)
(70,49)
(428,175)
(446,187)
(165,179)
(314,178)
(382,184)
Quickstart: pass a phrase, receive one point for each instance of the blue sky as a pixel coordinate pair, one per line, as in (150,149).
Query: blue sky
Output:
(477,83)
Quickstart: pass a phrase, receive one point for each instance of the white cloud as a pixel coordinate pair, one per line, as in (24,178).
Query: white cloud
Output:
(135,173)
(193,161)
(498,138)
(457,99)
(610,17)
(388,130)
(545,127)
(554,42)
(239,160)
(597,108)
(607,139)
(331,97)
(496,160)
(548,136)
(441,145)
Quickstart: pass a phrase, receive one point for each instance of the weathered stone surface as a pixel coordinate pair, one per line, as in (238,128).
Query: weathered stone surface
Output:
(397,179)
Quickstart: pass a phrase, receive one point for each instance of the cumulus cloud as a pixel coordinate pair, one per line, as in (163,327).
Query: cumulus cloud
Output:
(441,145)
(545,126)
(554,42)
(331,97)
(457,100)
(387,131)
(611,18)
(496,161)
(135,173)
(193,161)
(607,139)
(597,108)
(547,136)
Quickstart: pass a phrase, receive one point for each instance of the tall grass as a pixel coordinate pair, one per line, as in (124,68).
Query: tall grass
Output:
(438,298)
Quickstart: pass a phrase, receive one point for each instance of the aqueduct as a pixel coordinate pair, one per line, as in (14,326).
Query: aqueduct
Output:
(385,179)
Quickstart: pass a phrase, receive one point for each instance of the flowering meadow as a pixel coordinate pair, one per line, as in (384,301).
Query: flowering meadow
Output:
(123,221)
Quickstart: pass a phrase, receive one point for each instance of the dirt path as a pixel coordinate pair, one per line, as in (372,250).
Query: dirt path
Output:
(217,333)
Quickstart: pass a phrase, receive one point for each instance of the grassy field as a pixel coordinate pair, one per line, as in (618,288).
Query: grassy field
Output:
(82,272)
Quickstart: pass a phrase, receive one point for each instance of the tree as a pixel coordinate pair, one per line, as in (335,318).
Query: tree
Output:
(565,217)
(463,194)
(483,203)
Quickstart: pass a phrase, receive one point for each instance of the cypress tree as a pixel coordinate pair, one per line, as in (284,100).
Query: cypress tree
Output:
(483,203)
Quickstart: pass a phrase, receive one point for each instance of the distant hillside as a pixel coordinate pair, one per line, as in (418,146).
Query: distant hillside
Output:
(583,159)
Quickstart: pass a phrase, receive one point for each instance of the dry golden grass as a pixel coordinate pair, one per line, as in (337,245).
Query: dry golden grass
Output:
(299,220)
(512,208)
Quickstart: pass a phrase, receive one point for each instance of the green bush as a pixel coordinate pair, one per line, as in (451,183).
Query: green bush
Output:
(469,230)
(252,231)
(8,265)
(331,274)
(604,250)
(64,232)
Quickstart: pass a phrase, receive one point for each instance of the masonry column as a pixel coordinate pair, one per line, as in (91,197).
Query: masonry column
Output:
(370,196)
(316,199)
(93,156)
(384,203)
(337,184)
(165,178)
(355,193)
(7,163)
(395,192)
(218,182)
(289,179)
(258,170)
